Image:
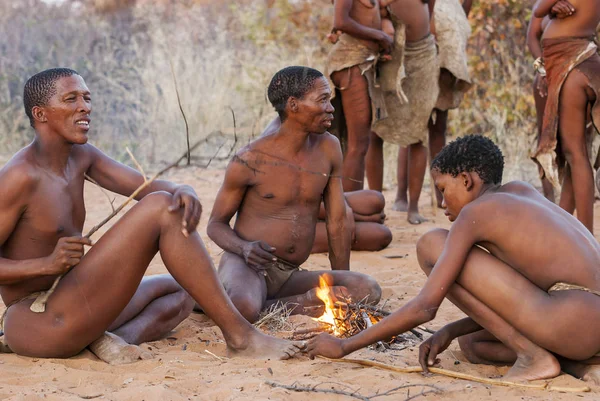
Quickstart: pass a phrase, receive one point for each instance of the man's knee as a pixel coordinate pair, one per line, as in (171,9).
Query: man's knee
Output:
(358,146)
(248,306)
(384,237)
(185,303)
(365,288)
(467,346)
(429,247)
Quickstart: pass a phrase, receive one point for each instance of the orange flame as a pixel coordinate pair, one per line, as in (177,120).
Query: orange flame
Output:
(330,314)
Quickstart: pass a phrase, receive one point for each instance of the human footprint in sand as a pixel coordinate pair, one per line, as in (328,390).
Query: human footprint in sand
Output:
(525,271)
(42,215)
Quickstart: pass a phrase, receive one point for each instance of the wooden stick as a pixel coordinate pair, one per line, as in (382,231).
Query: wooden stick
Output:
(187,128)
(39,305)
(459,375)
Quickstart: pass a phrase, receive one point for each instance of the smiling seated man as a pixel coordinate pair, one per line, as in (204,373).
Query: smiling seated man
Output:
(276,185)
(525,271)
(42,213)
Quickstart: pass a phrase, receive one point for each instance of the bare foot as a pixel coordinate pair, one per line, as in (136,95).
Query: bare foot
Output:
(400,205)
(261,346)
(114,350)
(539,365)
(416,218)
(581,370)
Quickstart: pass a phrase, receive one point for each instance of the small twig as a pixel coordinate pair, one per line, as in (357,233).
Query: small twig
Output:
(187,127)
(111,201)
(216,356)
(137,164)
(354,394)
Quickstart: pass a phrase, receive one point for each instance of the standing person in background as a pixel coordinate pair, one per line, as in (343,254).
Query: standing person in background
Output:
(452,30)
(572,64)
(351,67)
(410,85)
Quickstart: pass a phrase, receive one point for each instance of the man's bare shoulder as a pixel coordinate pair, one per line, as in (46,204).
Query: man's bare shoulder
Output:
(330,143)
(19,176)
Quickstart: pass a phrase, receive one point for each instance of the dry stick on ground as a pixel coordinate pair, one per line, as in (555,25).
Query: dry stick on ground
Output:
(354,394)
(39,305)
(459,375)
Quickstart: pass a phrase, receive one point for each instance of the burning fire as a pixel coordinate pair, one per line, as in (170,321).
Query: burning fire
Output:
(331,314)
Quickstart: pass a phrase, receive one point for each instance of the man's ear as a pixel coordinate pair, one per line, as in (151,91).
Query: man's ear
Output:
(39,114)
(293,104)
(467,180)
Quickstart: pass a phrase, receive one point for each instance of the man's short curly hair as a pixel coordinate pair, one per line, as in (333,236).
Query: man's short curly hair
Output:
(293,81)
(471,153)
(41,87)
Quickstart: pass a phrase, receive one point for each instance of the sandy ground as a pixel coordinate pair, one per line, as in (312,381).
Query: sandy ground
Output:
(183,370)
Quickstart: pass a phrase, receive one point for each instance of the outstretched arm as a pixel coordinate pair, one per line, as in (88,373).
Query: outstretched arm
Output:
(338,235)
(422,308)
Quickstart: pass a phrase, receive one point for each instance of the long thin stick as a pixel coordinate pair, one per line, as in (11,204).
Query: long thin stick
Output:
(187,127)
(459,375)
(39,305)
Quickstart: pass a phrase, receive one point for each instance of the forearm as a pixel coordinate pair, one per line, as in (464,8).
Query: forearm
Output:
(16,271)
(339,238)
(534,47)
(543,7)
(462,327)
(158,185)
(225,237)
(353,28)
(404,319)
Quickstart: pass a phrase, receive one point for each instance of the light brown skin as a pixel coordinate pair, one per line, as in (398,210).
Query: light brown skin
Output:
(412,160)
(366,219)
(575,97)
(41,219)
(363,23)
(275,185)
(532,245)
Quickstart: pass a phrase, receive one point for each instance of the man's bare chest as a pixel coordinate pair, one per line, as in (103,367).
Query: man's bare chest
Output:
(55,210)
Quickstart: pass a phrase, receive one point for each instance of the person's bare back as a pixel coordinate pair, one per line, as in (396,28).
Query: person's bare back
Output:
(521,237)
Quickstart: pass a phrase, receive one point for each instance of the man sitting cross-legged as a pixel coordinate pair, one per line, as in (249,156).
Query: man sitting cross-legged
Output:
(275,185)
(41,220)
(532,300)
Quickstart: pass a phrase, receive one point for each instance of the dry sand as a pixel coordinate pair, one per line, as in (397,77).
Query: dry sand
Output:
(183,370)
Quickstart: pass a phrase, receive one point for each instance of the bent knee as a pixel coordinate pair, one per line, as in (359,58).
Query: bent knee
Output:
(185,304)
(365,287)
(467,346)
(248,306)
(384,237)
(429,247)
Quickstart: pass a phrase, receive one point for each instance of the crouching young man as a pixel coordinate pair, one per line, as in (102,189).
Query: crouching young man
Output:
(525,271)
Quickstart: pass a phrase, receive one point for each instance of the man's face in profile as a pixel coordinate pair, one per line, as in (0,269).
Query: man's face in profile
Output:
(314,109)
